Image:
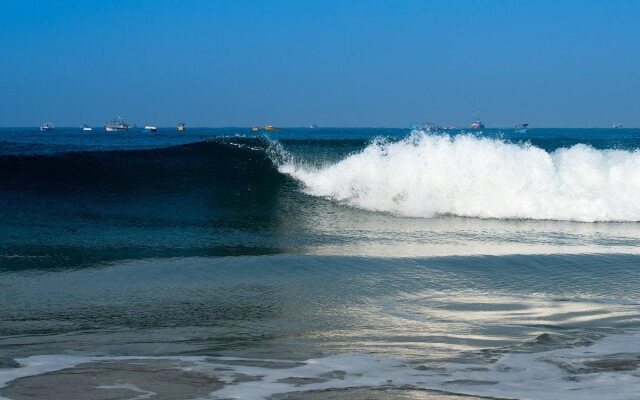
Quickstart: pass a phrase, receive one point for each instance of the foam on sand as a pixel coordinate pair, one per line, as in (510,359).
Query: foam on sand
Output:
(607,369)
(426,175)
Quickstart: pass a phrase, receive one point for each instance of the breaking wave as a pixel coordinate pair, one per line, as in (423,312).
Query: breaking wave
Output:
(422,175)
(426,175)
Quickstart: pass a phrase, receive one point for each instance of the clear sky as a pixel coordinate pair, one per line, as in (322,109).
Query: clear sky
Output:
(333,63)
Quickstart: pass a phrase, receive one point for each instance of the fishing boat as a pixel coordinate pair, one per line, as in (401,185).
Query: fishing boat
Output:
(477,124)
(181,127)
(617,125)
(271,128)
(86,128)
(150,128)
(47,126)
(522,128)
(313,126)
(117,125)
(255,128)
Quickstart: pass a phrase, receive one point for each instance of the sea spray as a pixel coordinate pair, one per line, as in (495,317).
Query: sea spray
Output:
(426,175)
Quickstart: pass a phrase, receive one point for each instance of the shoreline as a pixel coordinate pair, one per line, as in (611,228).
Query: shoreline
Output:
(172,379)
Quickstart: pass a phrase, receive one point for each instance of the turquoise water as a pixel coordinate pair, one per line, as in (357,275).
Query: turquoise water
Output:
(380,247)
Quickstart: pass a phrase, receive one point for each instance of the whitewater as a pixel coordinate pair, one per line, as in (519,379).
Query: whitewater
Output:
(430,175)
(602,370)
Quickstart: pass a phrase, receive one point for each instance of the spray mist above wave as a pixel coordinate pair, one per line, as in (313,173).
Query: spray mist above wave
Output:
(426,175)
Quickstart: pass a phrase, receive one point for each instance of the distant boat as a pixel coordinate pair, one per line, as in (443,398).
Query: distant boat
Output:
(86,127)
(117,125)
(429,127)
(181,127)
(313,126)
(271,128)
(47,126)
(522,128)
(150,128)
(477,124)
(255,128)
(617,125)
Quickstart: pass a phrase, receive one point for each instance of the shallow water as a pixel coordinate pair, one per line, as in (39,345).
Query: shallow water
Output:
(331,252)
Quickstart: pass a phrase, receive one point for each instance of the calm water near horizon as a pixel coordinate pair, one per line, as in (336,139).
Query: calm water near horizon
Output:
(478,264)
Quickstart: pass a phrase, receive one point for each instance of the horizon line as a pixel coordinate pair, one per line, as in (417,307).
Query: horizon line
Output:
(318,127)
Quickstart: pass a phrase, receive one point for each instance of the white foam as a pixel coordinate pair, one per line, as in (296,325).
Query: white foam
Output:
(427,175)
(144,394)
(559,374)
(533,376)
(37,365)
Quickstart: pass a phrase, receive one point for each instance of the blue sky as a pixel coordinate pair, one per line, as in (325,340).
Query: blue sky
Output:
(333,63)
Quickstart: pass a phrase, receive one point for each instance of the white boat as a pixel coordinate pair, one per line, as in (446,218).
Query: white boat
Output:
(477,124)
(150,128)
(116,125)
(86,128)
(617,125)
(47,126)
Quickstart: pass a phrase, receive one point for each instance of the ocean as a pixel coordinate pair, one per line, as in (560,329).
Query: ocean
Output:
(319,263)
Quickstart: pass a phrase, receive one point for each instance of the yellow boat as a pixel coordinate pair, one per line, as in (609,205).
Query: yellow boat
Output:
(271,128)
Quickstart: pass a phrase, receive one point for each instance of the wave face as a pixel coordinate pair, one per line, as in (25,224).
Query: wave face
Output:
(428,175)
(208,198)
(228,164)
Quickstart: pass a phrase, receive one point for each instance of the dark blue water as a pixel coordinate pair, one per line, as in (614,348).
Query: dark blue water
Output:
(314,243)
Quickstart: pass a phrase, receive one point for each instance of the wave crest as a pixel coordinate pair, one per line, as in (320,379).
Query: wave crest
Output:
(427,175)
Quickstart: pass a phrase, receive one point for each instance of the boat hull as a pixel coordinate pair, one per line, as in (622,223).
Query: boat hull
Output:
(47,126)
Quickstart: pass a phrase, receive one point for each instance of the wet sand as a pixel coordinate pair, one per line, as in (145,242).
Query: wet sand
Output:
(135,379)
